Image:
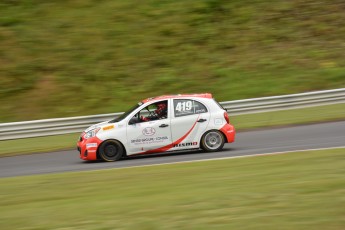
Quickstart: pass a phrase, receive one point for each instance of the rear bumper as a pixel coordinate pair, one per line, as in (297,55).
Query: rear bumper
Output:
(229,132)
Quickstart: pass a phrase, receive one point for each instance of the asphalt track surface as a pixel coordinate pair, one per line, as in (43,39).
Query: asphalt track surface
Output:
(303,137)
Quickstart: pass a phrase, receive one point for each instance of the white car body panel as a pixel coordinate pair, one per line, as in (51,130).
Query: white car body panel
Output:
(188,119)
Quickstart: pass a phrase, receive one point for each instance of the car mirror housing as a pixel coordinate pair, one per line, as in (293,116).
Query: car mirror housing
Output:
(133,121)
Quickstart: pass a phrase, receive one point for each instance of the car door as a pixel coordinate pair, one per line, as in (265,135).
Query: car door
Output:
(189,122)
(149,136)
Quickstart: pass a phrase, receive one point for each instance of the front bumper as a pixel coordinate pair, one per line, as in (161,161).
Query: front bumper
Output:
(87,148)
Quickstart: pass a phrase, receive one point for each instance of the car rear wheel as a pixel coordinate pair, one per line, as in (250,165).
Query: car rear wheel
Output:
(111,150)
(212,141)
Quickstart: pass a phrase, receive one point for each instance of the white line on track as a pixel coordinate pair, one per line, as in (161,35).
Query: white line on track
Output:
(221,158)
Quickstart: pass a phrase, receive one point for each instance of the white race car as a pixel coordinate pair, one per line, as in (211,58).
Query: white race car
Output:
(160,124)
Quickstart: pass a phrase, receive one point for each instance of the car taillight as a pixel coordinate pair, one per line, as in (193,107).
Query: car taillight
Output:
(226,116)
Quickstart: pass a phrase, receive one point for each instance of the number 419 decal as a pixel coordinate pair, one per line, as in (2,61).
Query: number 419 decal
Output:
(184,106)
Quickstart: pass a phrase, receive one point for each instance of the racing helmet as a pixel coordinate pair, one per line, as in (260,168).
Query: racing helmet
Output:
(161,110)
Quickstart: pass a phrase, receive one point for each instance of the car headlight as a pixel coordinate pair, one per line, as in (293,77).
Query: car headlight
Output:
(91,133)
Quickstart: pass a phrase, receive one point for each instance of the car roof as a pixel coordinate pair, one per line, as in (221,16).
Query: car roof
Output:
(197,95)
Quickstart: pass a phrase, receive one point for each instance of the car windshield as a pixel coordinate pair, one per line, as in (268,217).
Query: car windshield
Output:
(125,114)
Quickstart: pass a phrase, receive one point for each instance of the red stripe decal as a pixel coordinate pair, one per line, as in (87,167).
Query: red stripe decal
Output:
(167,147)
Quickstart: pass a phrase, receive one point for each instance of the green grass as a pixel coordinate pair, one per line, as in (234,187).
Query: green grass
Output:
(290,117)
(302,190)
(38,144)
(241,122)
(81,57)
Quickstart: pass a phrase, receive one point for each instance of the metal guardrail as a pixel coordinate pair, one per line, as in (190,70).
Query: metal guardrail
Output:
(291,101)
(47,127)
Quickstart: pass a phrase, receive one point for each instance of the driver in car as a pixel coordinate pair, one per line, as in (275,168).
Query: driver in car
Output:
(159,113)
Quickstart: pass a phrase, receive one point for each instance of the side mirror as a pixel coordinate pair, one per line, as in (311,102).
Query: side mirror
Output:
(133,121)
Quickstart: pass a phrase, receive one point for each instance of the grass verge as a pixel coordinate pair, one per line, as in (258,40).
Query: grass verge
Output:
(290,117)
(73,58)
(241,122)
(302,190)
(38,144)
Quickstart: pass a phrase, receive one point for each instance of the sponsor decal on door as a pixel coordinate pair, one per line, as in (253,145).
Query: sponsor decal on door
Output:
(149,131)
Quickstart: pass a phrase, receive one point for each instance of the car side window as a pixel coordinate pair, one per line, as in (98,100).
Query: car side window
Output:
(185,107)
(199,108)
(155,111)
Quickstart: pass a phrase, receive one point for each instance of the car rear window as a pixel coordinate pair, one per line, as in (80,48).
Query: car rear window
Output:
(220,106)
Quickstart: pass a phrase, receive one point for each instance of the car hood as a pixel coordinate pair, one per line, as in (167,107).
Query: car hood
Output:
(96,126)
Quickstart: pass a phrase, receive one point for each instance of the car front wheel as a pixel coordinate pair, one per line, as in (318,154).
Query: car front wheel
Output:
(111,150)
(212,141)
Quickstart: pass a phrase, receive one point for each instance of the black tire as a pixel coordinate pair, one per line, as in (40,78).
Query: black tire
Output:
(111,150)
(212,141)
